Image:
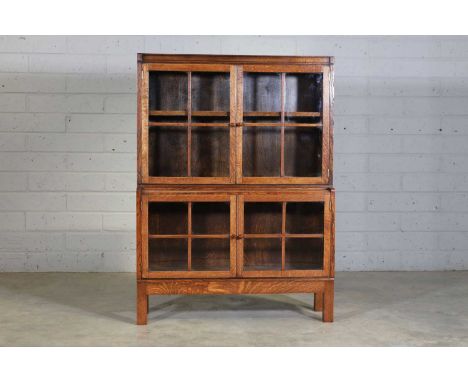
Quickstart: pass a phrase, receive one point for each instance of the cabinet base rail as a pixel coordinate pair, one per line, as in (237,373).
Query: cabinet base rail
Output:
(323,290)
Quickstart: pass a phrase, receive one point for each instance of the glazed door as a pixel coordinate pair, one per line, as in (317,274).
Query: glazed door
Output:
(188,235)
(284,235)
(188,123)
(283,124)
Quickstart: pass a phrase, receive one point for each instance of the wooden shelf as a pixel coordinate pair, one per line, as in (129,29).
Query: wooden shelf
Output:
(183,113)
(184,124)
(213,113)
(279,124)
(286,235)
(298,114)
(193,236)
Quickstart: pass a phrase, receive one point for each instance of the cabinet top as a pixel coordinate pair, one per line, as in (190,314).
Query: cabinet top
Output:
(233,59)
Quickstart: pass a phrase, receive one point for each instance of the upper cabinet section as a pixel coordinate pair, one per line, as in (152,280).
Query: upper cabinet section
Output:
(234,119)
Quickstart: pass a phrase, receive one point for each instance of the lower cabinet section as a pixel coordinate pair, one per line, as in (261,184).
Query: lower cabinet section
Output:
(252,238)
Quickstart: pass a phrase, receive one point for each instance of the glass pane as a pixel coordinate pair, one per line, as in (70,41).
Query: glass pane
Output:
(304,254)
(167,218)
(262,92)
(210,218)
(304,217)
(167,151)
(210,91)
(168,255)
(303,92)
(262,254)
(168,90)
(261,151)
(210,254)
(262,218)
(210,151)
(302,151)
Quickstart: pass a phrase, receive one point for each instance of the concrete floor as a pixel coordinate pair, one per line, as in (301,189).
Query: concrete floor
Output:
(372,309)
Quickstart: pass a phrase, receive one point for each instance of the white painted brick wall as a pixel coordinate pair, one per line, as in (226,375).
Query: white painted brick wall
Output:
(68,147)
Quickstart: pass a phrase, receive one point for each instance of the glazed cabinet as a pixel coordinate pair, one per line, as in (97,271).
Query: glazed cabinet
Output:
(235,177)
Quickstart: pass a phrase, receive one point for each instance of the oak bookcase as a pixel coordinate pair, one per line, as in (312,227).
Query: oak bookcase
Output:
(235,177)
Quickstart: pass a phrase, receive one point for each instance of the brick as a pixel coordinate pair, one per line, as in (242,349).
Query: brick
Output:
(105,44)
(404,163)
(371,106)
(435,144)
(54,103)
(12,221)
(63,221)
(453,241)
(454,201)
(418,68)
(63,181)
(351,86)
(351,163)
(384,261)
(455,87)
(105,123)
(399,87)
(454,163)
(66,142)
(122,143)
(48,63)
(24,161)
(454,125)
(13,63)
(118,222)
(122,64)
(434,222)
(40,122)
(425,261)
(12,103)
(92,162)
(32,201)
(404,125)
(12,142)
(383,241)
(122,104)
(404,47)
(98,83)
(121,182)
(352,67)
(391,202)
(33,44)
(454,48)
(368,182)
(435,182)
(118,202)
(338,46)
(31,241)
(368,144)
(121,241)
(351,241)
(351,201)
(13,181)
(229,45)
(350,125)
(31,83)
(366,222)
(428,106)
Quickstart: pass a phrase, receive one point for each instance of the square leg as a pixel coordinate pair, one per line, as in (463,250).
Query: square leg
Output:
(318,302)
(328,297)
(142,305)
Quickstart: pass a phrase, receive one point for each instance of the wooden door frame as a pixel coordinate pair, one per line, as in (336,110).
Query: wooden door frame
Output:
(324,196)
(147,197)
(326,170)
(143,114)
